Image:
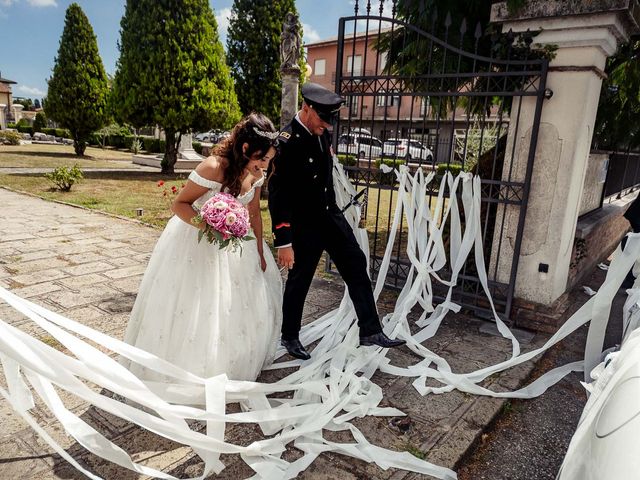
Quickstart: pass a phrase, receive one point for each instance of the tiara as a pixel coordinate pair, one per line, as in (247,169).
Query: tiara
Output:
(269,135)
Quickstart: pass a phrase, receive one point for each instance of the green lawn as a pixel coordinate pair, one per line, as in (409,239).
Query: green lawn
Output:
(120,193)
(51,156)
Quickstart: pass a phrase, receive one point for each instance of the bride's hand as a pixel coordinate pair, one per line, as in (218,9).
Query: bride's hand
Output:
(263,263)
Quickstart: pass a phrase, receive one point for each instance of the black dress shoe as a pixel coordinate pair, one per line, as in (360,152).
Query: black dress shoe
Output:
(381,340)
(295,349)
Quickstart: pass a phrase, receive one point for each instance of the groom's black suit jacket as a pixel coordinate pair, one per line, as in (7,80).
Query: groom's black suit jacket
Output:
(302,203)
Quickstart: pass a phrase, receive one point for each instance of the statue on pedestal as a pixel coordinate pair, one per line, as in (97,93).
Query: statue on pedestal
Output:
(290,43)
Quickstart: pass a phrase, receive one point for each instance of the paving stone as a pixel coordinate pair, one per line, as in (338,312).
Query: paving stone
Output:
(82,281)
(88,257)
(37,290)
(19,462)
(39,277)
(23,268)
(128,285)
(67,299)
(86,268)
(126,271)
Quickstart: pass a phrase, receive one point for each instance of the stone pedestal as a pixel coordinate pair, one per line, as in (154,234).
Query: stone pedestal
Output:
(289,104)
(186,151)
(586,33)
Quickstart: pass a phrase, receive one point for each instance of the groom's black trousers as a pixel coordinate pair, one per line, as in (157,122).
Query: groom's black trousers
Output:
(330,233)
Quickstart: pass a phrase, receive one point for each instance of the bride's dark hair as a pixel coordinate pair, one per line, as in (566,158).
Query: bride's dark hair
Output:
(231,148)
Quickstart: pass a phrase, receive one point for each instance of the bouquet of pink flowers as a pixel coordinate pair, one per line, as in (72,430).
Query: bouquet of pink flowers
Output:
(226,221)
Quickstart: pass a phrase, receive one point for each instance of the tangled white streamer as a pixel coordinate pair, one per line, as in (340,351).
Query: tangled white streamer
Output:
(326,392)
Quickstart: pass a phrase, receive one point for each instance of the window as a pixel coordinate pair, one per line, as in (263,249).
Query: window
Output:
(382,62)
(394,100)
(424,105)
(381,101)
(319,66)
(354,64)
(353,106)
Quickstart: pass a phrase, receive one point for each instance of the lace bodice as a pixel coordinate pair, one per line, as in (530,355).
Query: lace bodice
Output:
(214,187)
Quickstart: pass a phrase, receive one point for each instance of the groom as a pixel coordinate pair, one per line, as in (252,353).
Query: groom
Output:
(306,220)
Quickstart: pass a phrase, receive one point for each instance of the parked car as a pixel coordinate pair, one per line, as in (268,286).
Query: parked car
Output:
(407,148)
(212,136)
(360,145)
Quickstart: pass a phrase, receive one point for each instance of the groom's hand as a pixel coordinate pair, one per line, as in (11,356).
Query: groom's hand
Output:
(285,257)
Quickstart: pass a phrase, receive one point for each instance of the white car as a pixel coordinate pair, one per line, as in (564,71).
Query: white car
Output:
(407,148)
(360,145)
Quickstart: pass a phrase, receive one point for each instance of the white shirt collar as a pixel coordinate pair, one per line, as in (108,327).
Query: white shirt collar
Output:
(297,117)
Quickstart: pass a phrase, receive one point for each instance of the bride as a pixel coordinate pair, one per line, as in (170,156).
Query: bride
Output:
(207,310)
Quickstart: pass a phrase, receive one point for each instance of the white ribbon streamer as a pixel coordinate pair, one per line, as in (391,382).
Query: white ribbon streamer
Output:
(326,392)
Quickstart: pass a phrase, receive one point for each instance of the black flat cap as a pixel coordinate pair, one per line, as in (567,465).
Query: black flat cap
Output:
(325,102)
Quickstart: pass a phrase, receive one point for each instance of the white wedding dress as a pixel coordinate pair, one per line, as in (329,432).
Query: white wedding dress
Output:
(207,310)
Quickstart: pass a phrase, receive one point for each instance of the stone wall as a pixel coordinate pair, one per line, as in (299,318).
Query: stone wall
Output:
(594,179)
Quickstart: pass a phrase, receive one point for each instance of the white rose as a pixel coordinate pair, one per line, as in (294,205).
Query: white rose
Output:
(231,219)
(220,205)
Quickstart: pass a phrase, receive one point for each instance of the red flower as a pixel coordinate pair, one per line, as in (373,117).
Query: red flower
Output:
(160,183)
(174,189)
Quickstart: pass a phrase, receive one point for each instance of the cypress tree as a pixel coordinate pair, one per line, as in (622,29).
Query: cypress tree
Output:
(172,71)
(77,93)
(253,53)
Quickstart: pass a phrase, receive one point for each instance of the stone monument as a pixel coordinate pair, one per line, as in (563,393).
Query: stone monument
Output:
(186,151)
(290,45)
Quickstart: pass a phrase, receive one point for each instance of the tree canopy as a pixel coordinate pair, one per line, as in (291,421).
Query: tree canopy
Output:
(172,71)
(253,53)
(618,121)
(77,94)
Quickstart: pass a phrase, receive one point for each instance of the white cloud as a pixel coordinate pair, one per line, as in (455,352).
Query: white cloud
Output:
(33,3)
(310,34)
(31,91)
(42,3)
(223,18)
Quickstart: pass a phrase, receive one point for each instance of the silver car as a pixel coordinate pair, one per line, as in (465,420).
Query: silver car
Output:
(360,145)
(407,148)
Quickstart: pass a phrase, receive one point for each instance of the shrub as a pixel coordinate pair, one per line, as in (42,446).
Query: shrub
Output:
(25,129)
(9,137)
(197,146)
(153,145)
(64,177)
(40,122)
(454,168)
(62,132)
(347,160)
(23,122)
(135,146)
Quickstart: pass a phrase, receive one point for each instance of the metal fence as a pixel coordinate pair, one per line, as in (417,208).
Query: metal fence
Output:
(623,175)
(404,82)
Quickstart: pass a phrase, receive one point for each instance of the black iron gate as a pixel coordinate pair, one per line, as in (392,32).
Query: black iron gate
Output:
(438,102)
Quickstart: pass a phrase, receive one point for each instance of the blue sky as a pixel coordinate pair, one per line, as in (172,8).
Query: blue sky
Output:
(30,32)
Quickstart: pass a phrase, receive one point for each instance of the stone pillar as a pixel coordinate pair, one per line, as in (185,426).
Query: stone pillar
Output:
(586,33)
(290,70)
(17,111)
(186,151)
(3,119)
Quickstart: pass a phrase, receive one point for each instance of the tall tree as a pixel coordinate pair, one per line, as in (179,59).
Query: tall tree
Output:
(77,96)
(618,121)
(253,53)
(172,71)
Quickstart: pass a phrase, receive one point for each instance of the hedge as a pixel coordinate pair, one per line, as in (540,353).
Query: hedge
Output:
(454,168)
